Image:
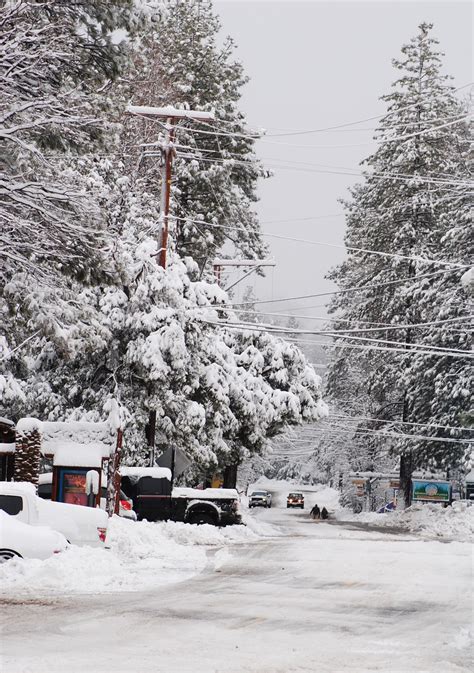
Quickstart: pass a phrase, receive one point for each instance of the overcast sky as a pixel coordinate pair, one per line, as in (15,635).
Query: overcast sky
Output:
(316,64)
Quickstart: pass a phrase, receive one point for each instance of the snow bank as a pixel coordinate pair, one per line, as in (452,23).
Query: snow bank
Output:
(442,522)
(141,555)
(456,522)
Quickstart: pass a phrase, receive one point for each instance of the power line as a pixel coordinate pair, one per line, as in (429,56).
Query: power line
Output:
(342,417)
(377,141)
(362,121)
(383,327)
(272,329)
(349,171)
(421,350)
(422,260)
(350,289)
(394,435)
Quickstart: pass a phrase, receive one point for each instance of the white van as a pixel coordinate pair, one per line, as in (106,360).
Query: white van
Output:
(79,525)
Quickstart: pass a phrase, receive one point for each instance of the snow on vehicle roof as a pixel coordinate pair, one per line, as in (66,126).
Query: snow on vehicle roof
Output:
(73,454)
(7,447)
(206,493)
(139,472)
(15,486)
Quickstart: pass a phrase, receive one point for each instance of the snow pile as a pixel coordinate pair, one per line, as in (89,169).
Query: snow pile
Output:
(430,519)
(141,555)
(433,520)
(213,536)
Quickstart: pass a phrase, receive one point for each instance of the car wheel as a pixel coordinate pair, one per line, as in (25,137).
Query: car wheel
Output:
(8,554)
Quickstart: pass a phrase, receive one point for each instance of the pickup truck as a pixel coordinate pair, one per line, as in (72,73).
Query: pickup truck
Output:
(260,499)
(155,500)
(79,525)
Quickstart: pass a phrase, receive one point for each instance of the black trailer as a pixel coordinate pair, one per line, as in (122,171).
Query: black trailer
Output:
(154,499)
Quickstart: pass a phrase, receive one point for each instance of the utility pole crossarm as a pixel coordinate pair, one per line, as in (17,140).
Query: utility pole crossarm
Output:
(170,112)
(244,262)
(252,264)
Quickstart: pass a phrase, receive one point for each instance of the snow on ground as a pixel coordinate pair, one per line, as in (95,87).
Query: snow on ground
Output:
(145,555)
(141,555)
(323,597)
(454,523)
(429,520)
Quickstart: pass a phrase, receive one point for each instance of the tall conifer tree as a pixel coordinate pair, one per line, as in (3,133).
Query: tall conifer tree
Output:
(406,208)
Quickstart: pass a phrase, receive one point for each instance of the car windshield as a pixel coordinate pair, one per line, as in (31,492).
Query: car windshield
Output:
(258,493)
(295,495)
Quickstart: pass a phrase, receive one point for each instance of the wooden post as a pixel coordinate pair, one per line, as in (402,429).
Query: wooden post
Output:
(113,476)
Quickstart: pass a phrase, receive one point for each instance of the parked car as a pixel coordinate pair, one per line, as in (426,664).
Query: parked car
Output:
(125,504)
(79,525)
(20,540)
(260,499)
(295,500)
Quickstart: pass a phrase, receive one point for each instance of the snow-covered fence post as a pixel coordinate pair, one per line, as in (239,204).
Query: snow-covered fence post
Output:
(28,450)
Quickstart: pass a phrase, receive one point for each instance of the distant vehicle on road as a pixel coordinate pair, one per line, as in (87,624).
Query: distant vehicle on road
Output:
(295,500)
(20,540)
(260,499)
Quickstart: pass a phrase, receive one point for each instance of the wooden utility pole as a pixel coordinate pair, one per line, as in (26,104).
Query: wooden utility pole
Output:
(170,115)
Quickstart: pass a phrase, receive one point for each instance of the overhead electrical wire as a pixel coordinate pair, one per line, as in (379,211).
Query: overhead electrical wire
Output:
(331,292)
(384,115)
(378,141)
(393,435)
(395,422)
(381,328)
(418,349)
(349,171)
(274,329)
(423,260)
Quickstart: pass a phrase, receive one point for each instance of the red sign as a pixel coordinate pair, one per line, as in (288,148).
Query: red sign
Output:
(74,489)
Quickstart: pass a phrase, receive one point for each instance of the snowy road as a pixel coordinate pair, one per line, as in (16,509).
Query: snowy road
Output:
(321,598)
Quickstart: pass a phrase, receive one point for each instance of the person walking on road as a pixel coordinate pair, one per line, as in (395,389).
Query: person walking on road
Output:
(315,512)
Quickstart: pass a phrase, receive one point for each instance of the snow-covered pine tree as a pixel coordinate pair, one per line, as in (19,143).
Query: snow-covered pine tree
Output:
(159,345)
(400,209)
(180,61)
(54,56)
